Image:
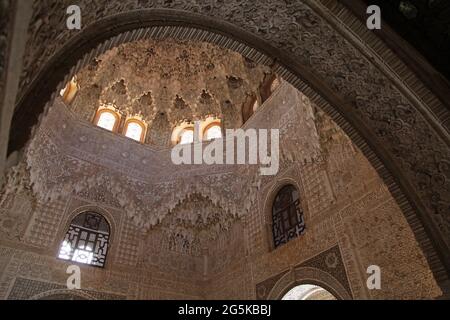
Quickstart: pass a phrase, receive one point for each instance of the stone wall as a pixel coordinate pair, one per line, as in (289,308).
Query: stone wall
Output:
(352,220)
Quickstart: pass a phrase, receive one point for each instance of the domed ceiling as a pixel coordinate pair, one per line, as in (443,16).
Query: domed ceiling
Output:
(166,82)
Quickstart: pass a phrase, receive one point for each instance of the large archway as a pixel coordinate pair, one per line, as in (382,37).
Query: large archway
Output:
(404,141)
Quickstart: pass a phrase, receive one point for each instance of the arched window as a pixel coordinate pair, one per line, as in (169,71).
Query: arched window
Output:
(308,292)
(213,131)
(135,129)
(287,216)
(70,91)
(107,119)
(87,240)
(187,136)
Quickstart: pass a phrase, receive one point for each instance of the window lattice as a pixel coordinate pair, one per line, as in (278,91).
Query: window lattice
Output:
(87,240)
(287,214)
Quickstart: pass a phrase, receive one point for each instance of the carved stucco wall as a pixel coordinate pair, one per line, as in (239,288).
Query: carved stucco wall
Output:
(220,256)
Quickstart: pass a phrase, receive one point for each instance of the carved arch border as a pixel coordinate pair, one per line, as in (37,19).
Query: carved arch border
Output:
(308,275)
(168,23)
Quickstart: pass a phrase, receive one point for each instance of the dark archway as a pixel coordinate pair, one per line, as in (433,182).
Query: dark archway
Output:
(391,128)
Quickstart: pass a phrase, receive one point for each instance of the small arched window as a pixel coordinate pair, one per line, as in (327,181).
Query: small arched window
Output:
(135,129)
(187,136)
(107,119)
(213,131)
(287,216)
(87,240)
